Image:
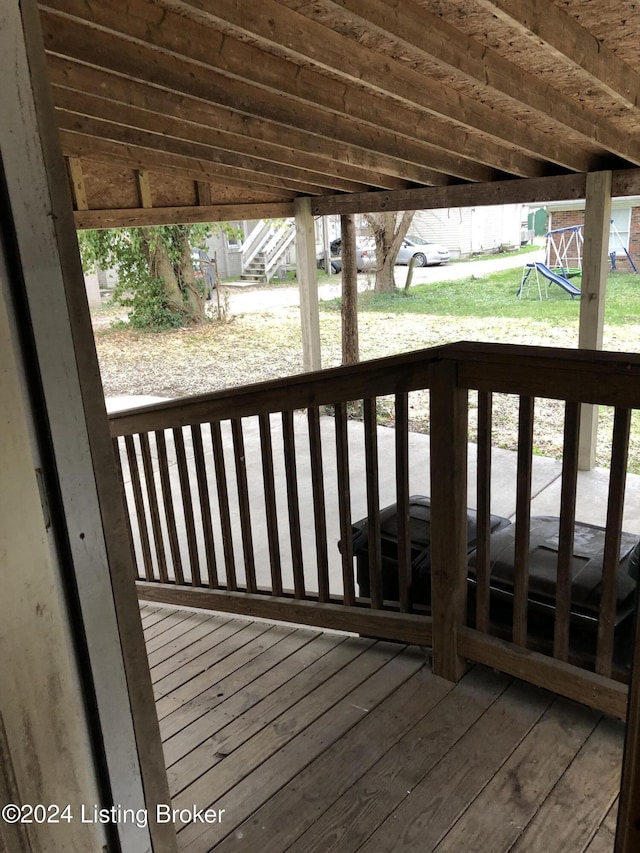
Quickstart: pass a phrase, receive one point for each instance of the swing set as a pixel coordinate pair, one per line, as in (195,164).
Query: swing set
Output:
(565,250)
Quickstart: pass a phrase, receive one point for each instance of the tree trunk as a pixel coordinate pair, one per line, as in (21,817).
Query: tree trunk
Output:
(350,349)
(194,294)
(161,268)
(388,233)
(182,292)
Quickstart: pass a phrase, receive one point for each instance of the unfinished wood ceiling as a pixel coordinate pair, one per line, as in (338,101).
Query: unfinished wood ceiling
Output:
(231,108)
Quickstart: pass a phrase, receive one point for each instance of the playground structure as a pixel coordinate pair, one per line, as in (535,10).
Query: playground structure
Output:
(613,253)
(564,251)
(563,261)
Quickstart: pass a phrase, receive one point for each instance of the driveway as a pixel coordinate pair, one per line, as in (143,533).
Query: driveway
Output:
(247,299)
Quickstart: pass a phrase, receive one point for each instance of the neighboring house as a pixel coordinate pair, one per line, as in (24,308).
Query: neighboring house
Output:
(229,249)
(264,249)
(473,230)
(625,225)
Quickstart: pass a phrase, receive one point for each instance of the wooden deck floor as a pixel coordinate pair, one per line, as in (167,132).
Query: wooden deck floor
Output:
(314,741)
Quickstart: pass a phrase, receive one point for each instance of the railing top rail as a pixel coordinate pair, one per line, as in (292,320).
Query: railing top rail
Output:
(588,376)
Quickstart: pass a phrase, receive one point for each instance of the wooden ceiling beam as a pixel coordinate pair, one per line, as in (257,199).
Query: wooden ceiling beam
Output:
(434,38)
(170,128)
(300,37)
(310,104)
(118,91)
(625,182)
(236,168)
(568,39)
(85,219)
(464,195)
(154,160)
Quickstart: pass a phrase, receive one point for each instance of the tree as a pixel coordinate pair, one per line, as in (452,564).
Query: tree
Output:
(350,349)
(156,277)
(389,230)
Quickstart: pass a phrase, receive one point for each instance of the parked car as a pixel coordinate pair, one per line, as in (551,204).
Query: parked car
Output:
(365,256)
(426,254)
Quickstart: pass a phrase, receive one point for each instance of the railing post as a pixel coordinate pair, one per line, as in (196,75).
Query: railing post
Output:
(449,427)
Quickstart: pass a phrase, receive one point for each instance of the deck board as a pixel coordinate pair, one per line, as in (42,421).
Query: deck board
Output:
(581,799)
(315,741)
(362,808)
(178,637)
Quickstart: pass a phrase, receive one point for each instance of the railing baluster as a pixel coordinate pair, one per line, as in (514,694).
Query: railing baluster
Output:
(293,504)
(243,498)
(270,504)
(167,499)
(127,515)
(374,546)
(483,540)
(402,500)
(143,529)
(205,505)
(187,506)
(223,505)
(523,520)
(612,537)
(344,503)
(147,467)
(319,513)
(566,530)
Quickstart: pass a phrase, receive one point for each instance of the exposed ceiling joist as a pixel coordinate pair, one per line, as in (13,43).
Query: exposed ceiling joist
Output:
(433,38)
(76,111)
(181,54)
(569,40)
(72,82)
(296,36)
(361,104)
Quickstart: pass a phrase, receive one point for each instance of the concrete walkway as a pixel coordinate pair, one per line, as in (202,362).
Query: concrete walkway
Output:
(591,500)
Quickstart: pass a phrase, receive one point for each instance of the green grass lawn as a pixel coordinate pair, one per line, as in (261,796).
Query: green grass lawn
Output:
(495,296)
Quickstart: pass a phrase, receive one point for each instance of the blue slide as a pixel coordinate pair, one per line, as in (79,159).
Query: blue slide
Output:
(560,280)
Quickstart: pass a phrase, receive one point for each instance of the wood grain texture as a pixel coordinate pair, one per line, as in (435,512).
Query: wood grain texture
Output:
(523,519)
(449,429)
(344,503)
(402,500)
(612,538)
(594,690)
(566,530)
(266,449)
(483,486)
(404,627)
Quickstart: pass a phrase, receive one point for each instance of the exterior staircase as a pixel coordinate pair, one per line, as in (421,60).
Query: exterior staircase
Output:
(267,248)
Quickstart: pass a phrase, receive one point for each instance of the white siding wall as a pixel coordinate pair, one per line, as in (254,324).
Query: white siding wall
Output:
(466,230)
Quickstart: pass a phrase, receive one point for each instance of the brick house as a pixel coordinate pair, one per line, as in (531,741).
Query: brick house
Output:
(625,229)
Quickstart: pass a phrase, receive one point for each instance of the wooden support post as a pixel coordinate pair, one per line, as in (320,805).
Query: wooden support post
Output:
(597,225)
(350,349)
(449,427)
(204,193)
(76,177)
(308,284)
(144,189)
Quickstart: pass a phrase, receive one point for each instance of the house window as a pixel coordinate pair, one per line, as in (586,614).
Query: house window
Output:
(620,229)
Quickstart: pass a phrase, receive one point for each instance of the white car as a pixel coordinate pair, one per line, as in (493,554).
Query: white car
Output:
(426,254)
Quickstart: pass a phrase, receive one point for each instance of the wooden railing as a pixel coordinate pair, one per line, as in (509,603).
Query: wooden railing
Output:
(238,501)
